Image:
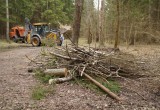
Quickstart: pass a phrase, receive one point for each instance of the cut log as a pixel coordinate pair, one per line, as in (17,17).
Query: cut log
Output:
(56,72)
(60,80)
(103,87)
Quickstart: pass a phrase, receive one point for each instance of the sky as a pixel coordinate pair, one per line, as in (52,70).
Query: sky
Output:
(96,4)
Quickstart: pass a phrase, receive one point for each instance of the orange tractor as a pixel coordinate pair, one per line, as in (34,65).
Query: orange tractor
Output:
(38,32)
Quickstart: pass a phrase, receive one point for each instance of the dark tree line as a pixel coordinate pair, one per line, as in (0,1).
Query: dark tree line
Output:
(52,11)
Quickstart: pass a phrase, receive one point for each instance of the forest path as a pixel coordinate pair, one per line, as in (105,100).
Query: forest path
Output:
(15,82)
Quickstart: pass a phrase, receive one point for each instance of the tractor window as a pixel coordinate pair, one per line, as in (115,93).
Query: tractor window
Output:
(37,28)
(46,28)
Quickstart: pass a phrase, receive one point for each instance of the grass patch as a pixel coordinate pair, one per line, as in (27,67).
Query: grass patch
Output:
(86,83)
(40,91)
(42,77)
(4,44)
(112,85)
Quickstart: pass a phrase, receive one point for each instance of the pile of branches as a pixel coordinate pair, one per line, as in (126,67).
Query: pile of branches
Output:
(91,61)
(79,61)
(87,62)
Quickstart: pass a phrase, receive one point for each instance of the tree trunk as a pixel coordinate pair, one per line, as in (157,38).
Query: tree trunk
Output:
(7,23)
(77,21)
(117,29)
(47,4)
(101,22)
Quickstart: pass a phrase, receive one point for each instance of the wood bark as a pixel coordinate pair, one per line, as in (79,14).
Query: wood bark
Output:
(60,80)
(7,23)
(77,21)
(101,22)
(98,23)
(117,29)
(56,72)
(103,87)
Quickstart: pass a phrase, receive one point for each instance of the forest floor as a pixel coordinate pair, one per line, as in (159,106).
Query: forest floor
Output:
(16,85)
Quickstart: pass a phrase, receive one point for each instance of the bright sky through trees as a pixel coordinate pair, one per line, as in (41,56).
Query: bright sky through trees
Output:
(96,4)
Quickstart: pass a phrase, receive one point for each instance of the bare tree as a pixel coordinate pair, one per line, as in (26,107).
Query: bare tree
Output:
(77,21)
(117,28)
(102,22)
(7,23)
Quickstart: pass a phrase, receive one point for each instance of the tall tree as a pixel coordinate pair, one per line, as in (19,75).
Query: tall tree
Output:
(117,28)
(102,23)
(88,25)
(7,23)
(77,21)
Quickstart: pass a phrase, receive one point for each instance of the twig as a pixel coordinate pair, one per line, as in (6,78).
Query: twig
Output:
(67,51)
(33,60)
(62,56)
(83,69)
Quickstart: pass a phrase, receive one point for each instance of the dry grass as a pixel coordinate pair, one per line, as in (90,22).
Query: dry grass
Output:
(5,44)
(9,45)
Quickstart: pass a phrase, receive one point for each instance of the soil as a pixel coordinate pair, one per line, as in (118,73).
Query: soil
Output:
(16,85)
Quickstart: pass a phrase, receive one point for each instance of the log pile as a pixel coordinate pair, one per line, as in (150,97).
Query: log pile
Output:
(88,62)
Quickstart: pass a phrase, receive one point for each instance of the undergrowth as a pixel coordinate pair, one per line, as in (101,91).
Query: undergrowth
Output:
(111,85)
(41,91)
(42,77)
(5,44)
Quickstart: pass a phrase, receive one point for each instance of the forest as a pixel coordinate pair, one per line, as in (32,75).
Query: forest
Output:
(80,54)
(136,21)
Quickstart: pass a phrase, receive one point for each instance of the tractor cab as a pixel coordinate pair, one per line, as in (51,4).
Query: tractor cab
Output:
(42,31)
(41,28)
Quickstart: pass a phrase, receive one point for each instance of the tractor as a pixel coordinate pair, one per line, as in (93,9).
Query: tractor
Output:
(17,34)
(34,36)
(41,31)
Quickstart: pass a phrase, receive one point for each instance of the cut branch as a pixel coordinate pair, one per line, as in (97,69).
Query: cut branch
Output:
(103,87)
(60,80)
(62,56)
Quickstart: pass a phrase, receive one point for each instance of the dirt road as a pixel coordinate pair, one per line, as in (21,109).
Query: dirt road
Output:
(15,82)
(16,86)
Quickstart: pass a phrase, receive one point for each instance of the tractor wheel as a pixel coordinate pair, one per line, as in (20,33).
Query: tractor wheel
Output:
(35,41)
